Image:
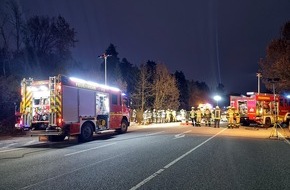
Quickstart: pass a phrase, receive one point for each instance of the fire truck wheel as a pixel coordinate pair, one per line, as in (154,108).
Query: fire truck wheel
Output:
(124,127)
(86,132)
(267,122)
(56,138)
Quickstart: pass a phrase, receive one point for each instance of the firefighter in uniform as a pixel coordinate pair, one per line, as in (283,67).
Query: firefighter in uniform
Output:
(158,116)
(207,115)
(134,114)
(145,117)
(154,115)
(230,115)
(163,115)
(198,117)
(237,118)
(174,115)
(192,116)
(217,117)
(149,117)
(167,115)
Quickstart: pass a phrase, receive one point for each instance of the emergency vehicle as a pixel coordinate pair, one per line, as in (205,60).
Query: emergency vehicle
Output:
(65,106)
(261,108)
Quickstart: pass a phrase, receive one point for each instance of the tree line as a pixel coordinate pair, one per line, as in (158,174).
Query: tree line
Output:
(40,46)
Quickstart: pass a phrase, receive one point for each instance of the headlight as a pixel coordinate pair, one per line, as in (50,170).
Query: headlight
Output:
(17,125)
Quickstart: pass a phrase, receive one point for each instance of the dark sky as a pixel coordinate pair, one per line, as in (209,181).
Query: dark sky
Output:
(209,40)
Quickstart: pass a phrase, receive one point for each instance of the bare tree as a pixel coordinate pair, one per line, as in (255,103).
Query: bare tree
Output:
(47,43)
(143,89)
(4,35)
(16,21)
(276,64)
(165,89)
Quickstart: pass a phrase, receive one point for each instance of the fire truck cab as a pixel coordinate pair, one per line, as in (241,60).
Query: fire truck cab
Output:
(65,106)
(262,109)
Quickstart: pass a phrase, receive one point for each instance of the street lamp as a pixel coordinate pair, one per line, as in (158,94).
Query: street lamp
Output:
(217,98)
(105,56)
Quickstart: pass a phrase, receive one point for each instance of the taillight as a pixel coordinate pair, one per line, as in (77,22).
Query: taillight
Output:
(59,121)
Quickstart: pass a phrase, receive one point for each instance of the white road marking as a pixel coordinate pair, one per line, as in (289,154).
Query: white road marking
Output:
(11,150)
(105,145)
(29,142)
(173,162)
(7,146)
(181,135)
(150,134)
(287,141)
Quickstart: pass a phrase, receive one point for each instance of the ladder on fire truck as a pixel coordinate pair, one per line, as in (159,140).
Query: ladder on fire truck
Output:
(52,95)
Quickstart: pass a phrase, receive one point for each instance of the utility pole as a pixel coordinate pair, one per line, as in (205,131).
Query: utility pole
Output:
(105,56)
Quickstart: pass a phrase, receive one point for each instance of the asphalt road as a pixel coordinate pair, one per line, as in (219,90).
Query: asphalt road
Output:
(166,156)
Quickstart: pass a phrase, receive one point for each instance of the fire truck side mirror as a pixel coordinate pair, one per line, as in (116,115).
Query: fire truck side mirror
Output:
(126,102)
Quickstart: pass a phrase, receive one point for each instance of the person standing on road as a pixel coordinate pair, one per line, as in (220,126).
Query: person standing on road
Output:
(217,117)
(192,116)
(134,114)
(237,118)
(174,115)
(198,117)
(167,115)
(154,115)
(230,115)
(207,115)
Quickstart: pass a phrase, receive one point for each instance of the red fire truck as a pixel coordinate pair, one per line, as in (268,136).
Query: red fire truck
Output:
(262,109)
(65,106)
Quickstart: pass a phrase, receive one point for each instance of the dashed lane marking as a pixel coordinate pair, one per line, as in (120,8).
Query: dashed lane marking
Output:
(81,151)
(173,162)
(181,134)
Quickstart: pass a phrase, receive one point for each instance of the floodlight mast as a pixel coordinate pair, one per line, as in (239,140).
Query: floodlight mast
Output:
(217,98)
(274,132)
(259,75)
(105,56)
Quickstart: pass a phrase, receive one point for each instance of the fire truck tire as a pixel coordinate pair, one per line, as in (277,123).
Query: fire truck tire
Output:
(124,127)
(267,122)
(56,138)
(245,123)
(86,132)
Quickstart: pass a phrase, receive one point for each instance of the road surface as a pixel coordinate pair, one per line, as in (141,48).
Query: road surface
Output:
(164,156)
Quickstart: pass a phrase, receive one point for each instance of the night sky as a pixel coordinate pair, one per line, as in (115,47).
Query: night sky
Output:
(214,41)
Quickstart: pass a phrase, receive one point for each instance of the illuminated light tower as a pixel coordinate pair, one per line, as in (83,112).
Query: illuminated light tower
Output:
(217,98)
(259,75)
(105,56)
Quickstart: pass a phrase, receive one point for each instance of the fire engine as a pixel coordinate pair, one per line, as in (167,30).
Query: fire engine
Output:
(261,108)
(66,106)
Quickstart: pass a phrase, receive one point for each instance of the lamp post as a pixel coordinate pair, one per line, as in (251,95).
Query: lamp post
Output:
(217,98)
(105,56)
